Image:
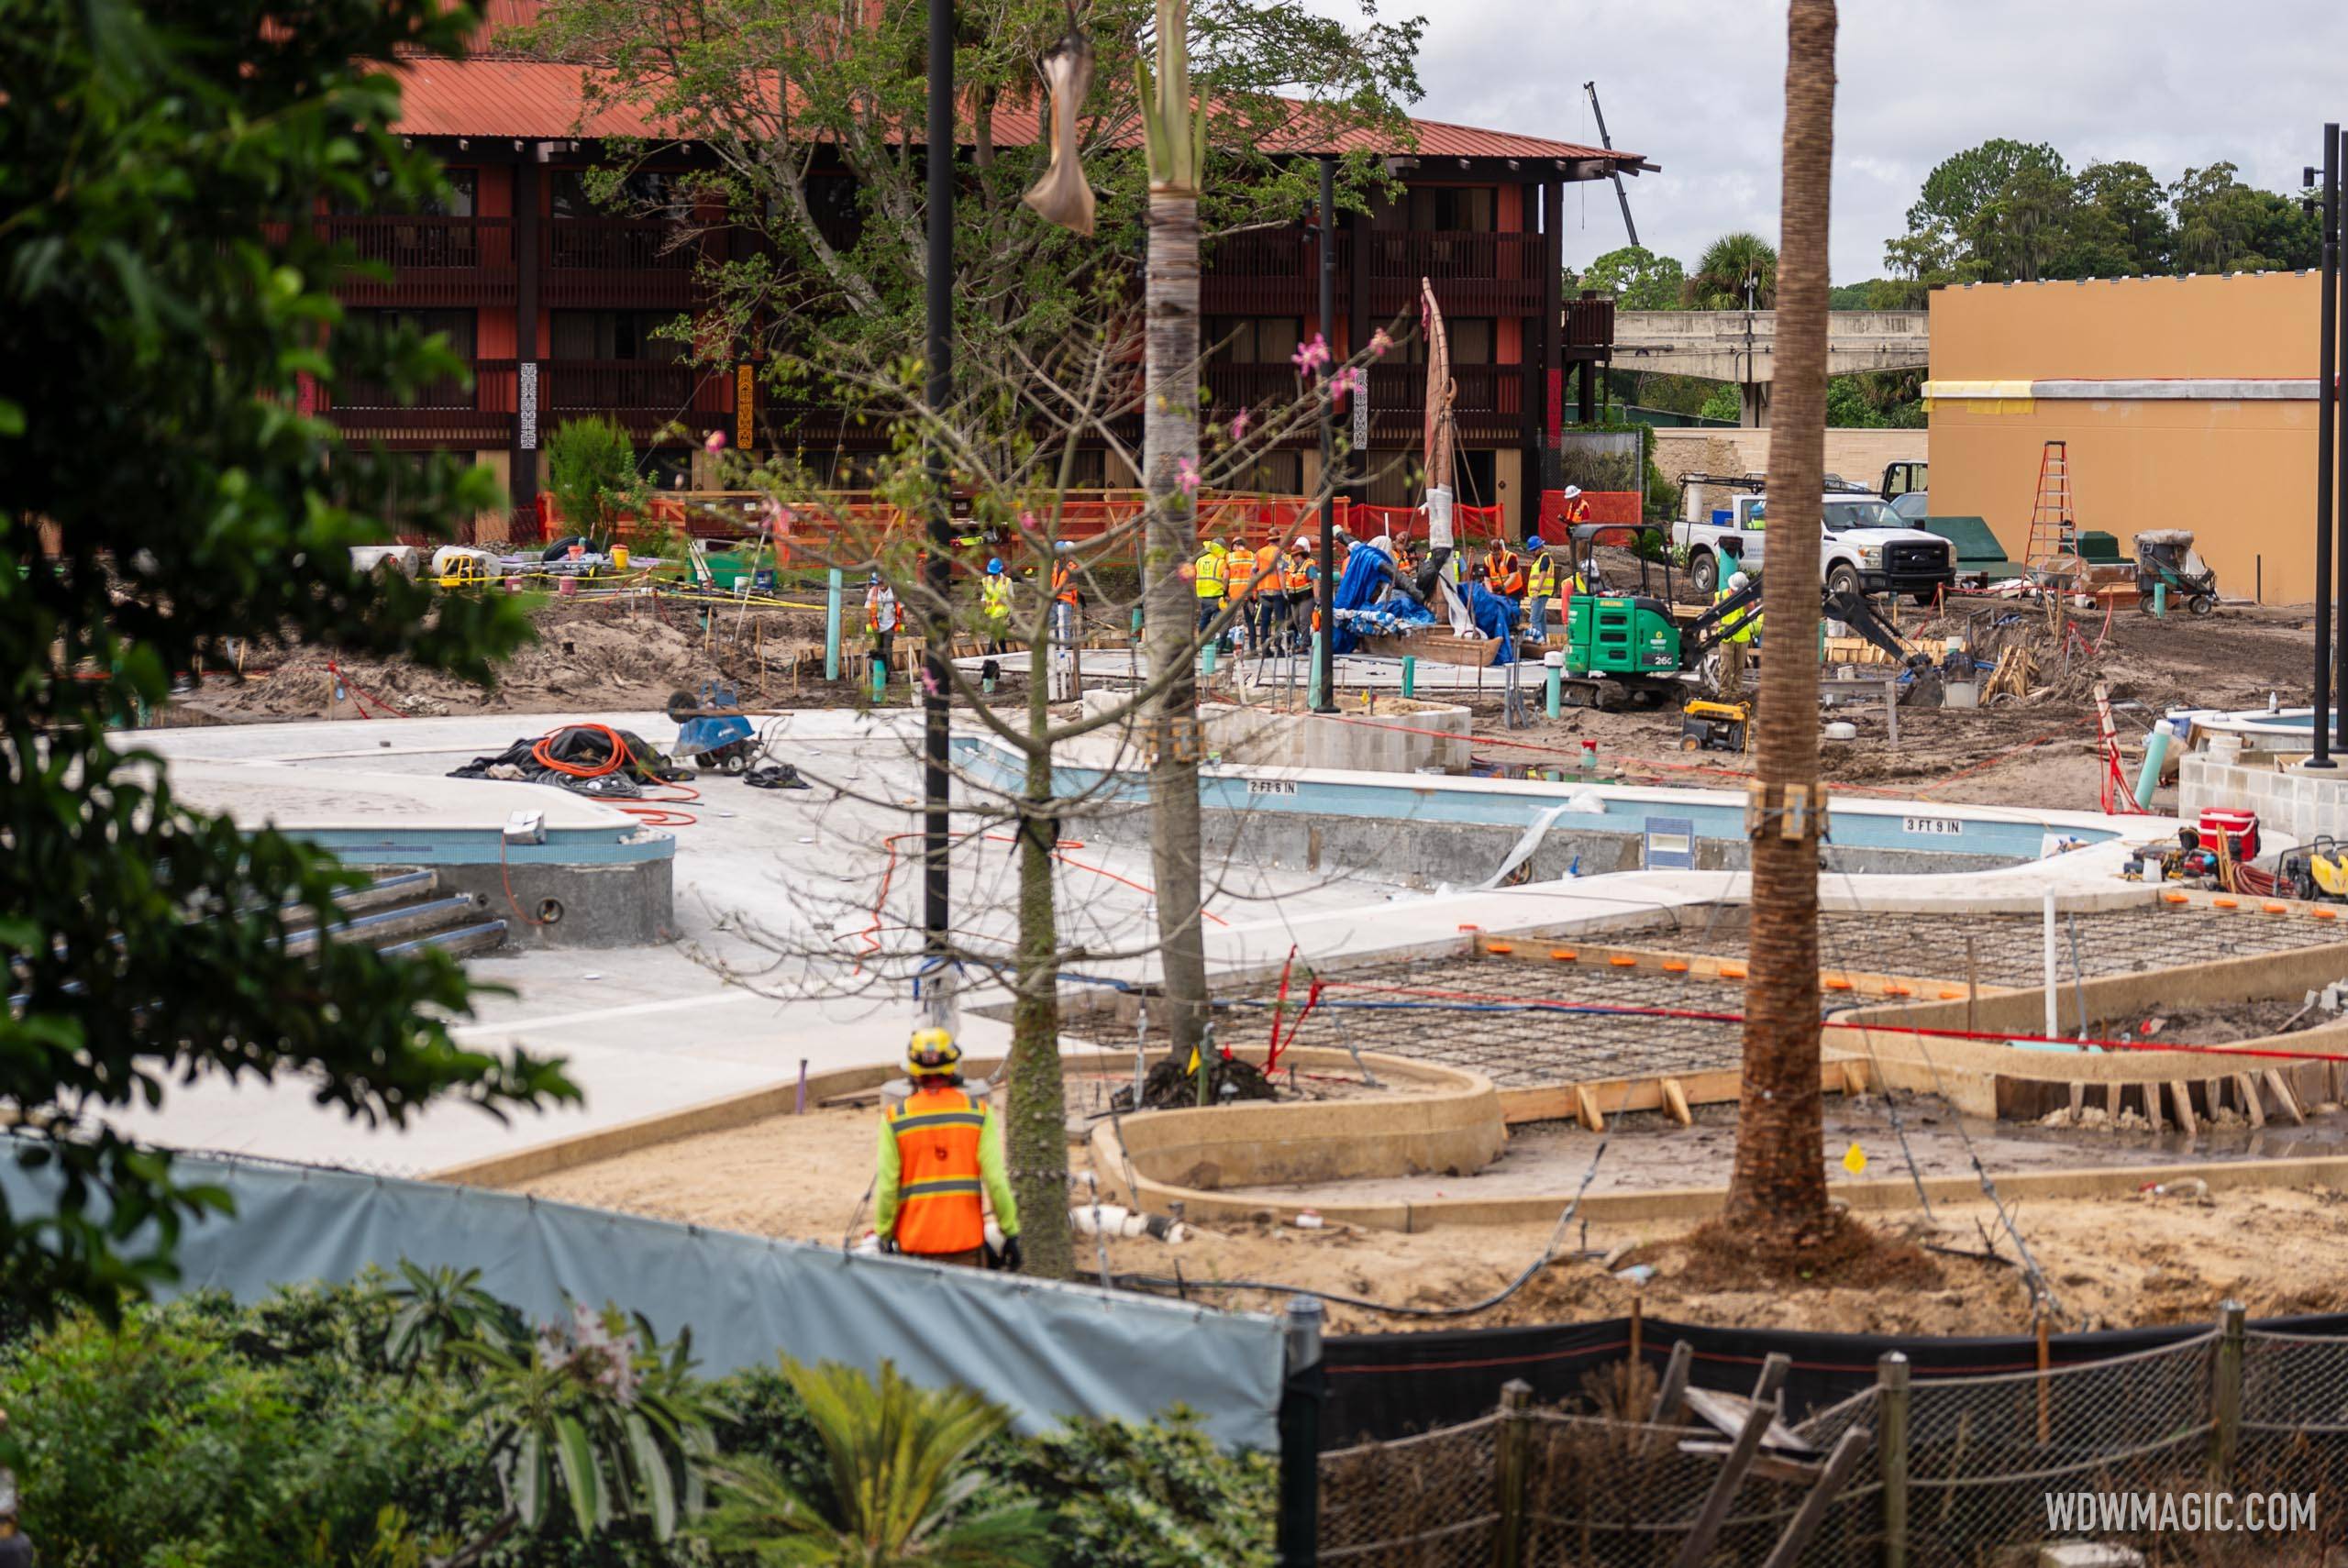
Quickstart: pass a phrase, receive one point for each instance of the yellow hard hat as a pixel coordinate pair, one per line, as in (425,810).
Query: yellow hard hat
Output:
(932,1050)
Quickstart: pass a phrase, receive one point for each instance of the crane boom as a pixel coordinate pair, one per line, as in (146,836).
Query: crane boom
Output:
(1607,142)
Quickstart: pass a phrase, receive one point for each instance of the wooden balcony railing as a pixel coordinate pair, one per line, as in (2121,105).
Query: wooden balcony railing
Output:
(1589,324)
(1265,272)
(1474,274)
(442,414)
(619,245)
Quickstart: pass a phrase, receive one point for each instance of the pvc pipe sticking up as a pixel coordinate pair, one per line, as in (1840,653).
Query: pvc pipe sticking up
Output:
(832,627)
(2054,1029)
(2155,757)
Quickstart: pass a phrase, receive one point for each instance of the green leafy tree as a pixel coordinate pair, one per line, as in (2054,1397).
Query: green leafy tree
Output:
(2024,226)
(1723,404)
(591,473)
(1733,269)
(1937,246)
(898,1484)
(1638,279)
(168,302)
(2131,234)
(2223,225)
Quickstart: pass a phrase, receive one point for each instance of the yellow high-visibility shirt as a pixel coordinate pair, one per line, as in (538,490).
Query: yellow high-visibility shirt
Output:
(1214,570)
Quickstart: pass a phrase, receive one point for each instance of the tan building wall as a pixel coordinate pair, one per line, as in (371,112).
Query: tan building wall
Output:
(2185,402)
(1855,454)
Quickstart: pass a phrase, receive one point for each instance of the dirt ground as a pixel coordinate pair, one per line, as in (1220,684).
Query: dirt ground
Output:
(2220,1025)
(597,655)
(2111,1262)
(2039,750)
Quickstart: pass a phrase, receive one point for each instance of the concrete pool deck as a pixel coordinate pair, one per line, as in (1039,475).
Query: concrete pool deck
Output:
(664,1028)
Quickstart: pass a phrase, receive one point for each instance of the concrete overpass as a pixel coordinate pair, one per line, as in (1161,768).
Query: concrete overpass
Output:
(1741,345)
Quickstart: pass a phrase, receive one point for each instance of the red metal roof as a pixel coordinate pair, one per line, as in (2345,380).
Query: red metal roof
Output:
(508,97)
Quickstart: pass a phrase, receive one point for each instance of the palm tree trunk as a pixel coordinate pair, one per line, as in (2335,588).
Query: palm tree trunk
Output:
(1169,445)
(1777,1194)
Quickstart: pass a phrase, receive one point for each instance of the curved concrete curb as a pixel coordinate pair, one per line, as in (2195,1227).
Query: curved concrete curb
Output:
(1691,1205)
(1453,1125)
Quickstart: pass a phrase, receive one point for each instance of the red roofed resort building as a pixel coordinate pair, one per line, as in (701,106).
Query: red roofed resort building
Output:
(556,302)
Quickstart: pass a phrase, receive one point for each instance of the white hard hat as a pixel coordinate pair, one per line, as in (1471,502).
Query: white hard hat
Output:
(1383,542)
(1303,542)
(1738,580)
(1572,491)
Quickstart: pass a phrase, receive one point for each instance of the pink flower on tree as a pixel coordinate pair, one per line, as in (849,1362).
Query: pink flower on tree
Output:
(1239,423)
(1379,343)
(1186,474)
(717,442)
(1310,354)
(1348,378)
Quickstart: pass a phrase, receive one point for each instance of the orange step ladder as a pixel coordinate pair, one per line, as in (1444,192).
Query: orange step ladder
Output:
(2054,528)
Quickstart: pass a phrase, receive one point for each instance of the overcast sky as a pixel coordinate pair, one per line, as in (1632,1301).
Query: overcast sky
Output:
(1698,85)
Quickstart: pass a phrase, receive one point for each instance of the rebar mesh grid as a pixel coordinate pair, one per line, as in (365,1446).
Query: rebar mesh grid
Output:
(2009,950)
(1519,1024)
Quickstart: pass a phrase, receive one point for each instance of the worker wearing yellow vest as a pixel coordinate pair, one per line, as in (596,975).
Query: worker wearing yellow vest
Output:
(994,606)
(941,1150)
(1211,575)
(1540,587)
(1737,629)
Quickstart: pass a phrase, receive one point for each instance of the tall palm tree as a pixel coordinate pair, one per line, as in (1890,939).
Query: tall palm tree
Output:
(897,1484)
(1777,1194)
(1176,135)
(1729,267)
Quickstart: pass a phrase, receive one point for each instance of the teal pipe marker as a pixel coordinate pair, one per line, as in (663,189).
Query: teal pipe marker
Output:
(1136,623)
(1209,653)
(1410,675)
(1556,684)
(831,628)
(2160,599)
(1313,693)
(2156,753)
(880,683)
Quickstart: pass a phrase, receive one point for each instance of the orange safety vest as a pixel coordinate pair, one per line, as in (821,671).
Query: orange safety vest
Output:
(1578,510)
(1298,574)
(872,613)
(1265,577)
(1506,572)
(1064,584)
(938,1187)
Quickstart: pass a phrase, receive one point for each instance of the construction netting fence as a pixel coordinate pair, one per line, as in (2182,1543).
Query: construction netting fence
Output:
(1946,1470)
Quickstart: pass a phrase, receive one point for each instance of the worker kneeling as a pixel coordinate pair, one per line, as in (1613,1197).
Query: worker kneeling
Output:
(939,1152)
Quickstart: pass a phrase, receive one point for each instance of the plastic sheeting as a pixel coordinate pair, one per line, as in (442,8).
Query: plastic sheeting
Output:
(1045,1351)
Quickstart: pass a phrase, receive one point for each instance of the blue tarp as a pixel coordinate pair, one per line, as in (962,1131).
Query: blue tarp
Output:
(1368,570)
(1496,618)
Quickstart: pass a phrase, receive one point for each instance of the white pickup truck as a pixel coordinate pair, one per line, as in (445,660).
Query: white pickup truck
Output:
(1864,547)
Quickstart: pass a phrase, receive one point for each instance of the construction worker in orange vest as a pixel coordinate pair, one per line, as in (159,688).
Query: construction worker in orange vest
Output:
(1068,599)
(941,1150)
(1266,607)
(1577,507)
(1503,572)
(1298,573)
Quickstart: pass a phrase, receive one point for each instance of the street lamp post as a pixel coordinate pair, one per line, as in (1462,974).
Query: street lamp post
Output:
(1326,646)
(939,577)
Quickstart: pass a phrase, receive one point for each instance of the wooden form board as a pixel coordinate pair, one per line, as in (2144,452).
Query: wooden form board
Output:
(1855,984)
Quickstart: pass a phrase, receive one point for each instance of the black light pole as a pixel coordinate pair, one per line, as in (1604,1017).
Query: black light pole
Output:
(1325,654)
(2336,305)
(2325,419)
(940,390)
